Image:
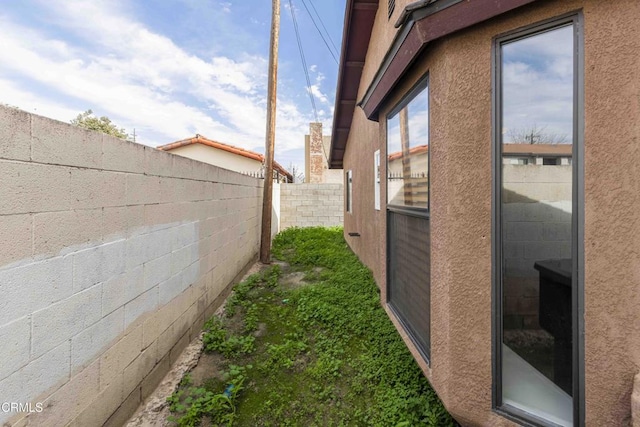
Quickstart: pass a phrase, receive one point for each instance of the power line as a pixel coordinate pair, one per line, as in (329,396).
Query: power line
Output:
(325,28)
(320,32)
(304,62)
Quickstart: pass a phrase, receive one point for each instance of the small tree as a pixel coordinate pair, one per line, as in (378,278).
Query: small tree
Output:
(102,124)
(536,135)
(298,175)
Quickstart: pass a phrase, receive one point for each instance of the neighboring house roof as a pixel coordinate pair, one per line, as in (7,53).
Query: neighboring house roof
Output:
(420,23)
(563,150)
(199,139)
(412,151)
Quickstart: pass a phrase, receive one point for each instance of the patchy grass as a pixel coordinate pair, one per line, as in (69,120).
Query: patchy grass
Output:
(307,344)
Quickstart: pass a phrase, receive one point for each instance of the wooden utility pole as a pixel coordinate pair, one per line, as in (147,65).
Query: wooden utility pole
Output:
(265,240)
(406,156)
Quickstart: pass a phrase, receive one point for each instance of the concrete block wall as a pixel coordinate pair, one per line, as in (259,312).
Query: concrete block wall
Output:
(112,257)
(536,217)
(308,205)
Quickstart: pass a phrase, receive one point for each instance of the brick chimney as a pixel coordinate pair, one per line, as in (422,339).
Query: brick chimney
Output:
(315,161)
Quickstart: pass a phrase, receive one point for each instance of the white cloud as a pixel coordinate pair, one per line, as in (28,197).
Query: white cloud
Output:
(16,96)
(317,93)
(538,83)
(141,79)
(315,88)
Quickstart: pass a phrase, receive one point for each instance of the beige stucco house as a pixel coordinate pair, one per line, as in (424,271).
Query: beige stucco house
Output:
(510,269)
(225,156)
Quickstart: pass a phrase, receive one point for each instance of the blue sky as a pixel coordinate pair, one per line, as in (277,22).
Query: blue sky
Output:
(538,84)
(170,68)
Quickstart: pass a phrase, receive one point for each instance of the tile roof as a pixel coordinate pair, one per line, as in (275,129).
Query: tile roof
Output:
(414,150)
(200,139)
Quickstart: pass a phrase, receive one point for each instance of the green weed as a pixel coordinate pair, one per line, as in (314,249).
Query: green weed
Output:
(328,354)
(217,338)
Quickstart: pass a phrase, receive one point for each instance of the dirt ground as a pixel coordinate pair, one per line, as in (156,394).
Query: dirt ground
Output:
(154,411)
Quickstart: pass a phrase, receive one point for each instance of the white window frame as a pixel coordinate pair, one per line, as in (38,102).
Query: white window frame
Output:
(376,180)
(349,182)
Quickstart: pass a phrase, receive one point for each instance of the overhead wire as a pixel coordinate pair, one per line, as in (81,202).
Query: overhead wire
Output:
(320,32)
(324,149)
(325,28)
(304,61)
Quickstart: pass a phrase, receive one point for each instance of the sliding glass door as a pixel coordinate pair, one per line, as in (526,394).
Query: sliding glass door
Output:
(537,163)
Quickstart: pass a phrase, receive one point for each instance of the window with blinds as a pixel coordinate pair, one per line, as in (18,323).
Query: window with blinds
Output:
(408,224)
(409,291)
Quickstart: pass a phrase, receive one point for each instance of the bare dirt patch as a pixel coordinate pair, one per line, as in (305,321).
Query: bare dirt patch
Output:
(154,411)
(207,367)
(293,280)
(296,279)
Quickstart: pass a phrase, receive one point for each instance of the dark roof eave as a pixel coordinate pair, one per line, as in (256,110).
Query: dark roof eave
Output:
(420,23)
(407,13)
(424,22)
(358,24)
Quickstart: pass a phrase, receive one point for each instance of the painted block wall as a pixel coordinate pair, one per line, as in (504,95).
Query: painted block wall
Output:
(536,218)
(308,205)
(112,257)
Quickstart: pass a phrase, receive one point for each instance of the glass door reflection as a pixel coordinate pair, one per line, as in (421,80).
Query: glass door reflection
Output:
(537,104)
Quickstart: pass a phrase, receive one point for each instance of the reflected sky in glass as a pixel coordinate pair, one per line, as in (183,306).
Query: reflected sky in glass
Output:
(408,168)
(418,112)
(536,236)
(537,83)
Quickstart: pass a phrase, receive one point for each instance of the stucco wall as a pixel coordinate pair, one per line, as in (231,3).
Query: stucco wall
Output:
(113,256)
(308,205)
(217,157)
(330,176)
(460,79)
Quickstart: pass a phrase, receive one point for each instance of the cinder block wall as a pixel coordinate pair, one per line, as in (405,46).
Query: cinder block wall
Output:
(307,205)
(536,217)
(112,256)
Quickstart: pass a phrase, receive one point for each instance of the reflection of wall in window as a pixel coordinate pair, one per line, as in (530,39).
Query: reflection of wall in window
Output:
(537,154)
(537,226)
(418,161)
(537,94)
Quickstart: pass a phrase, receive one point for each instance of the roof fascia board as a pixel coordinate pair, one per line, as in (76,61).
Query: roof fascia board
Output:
(413,12)
(397,43)
(395,65)
(421,9)
(348,13)
(338,135)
